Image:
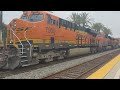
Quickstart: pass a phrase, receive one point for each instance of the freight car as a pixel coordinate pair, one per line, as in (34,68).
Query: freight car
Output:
(40,36)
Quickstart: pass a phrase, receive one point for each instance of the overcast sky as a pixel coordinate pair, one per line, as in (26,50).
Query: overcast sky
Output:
(110,19)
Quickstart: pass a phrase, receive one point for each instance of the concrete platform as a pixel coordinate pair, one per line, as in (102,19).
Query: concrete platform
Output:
(114,73)
(111,70)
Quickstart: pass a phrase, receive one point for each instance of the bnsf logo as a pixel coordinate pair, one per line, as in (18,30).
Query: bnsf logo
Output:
(50,30)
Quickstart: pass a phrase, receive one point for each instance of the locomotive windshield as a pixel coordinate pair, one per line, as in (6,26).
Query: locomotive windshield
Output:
(33,18)
(36,17)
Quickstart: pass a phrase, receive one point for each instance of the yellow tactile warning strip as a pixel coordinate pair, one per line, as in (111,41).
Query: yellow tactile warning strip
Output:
(100,74)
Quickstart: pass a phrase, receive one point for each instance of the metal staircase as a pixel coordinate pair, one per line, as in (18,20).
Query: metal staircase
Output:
(24,56)
(25,51)
(22,52)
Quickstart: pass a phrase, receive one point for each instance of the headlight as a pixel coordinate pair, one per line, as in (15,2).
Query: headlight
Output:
(35,54)
(14,23)
(28,49)
(11,41)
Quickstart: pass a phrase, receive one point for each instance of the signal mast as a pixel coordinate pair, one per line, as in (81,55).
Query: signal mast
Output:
(1,29)
(1,17)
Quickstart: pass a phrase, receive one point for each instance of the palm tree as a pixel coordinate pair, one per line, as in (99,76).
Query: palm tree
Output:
(82,18)
(97,27)
(107,31)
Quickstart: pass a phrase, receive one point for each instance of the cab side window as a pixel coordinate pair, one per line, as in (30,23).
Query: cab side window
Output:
(24,18)
(60,22)
(48,19)
(51,21)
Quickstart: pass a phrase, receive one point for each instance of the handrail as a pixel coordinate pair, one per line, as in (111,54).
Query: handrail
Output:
(18,39)
(28,42)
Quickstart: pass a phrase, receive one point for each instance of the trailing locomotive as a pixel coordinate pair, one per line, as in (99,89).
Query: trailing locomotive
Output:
(40,36)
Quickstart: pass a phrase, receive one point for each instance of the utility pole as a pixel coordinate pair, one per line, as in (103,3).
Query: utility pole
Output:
(0,27)
(1,17)
(2,36)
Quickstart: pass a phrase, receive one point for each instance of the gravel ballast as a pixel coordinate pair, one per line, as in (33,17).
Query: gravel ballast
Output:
(46,71)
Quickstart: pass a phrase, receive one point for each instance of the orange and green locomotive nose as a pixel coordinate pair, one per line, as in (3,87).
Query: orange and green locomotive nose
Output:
(12,24)
(17,25)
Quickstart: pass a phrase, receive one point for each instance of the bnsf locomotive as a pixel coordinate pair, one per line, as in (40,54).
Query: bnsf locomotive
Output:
(40,36)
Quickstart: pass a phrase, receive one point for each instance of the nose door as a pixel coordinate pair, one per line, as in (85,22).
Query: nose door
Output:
(52,40)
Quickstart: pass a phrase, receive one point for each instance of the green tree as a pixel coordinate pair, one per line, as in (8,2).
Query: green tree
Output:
(3,29)
(81,18)
(3,26)
(107,31)
(97,27)
(85,19)
(73,17)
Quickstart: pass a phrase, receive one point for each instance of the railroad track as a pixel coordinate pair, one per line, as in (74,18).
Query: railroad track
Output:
(7,73)
(83,70)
